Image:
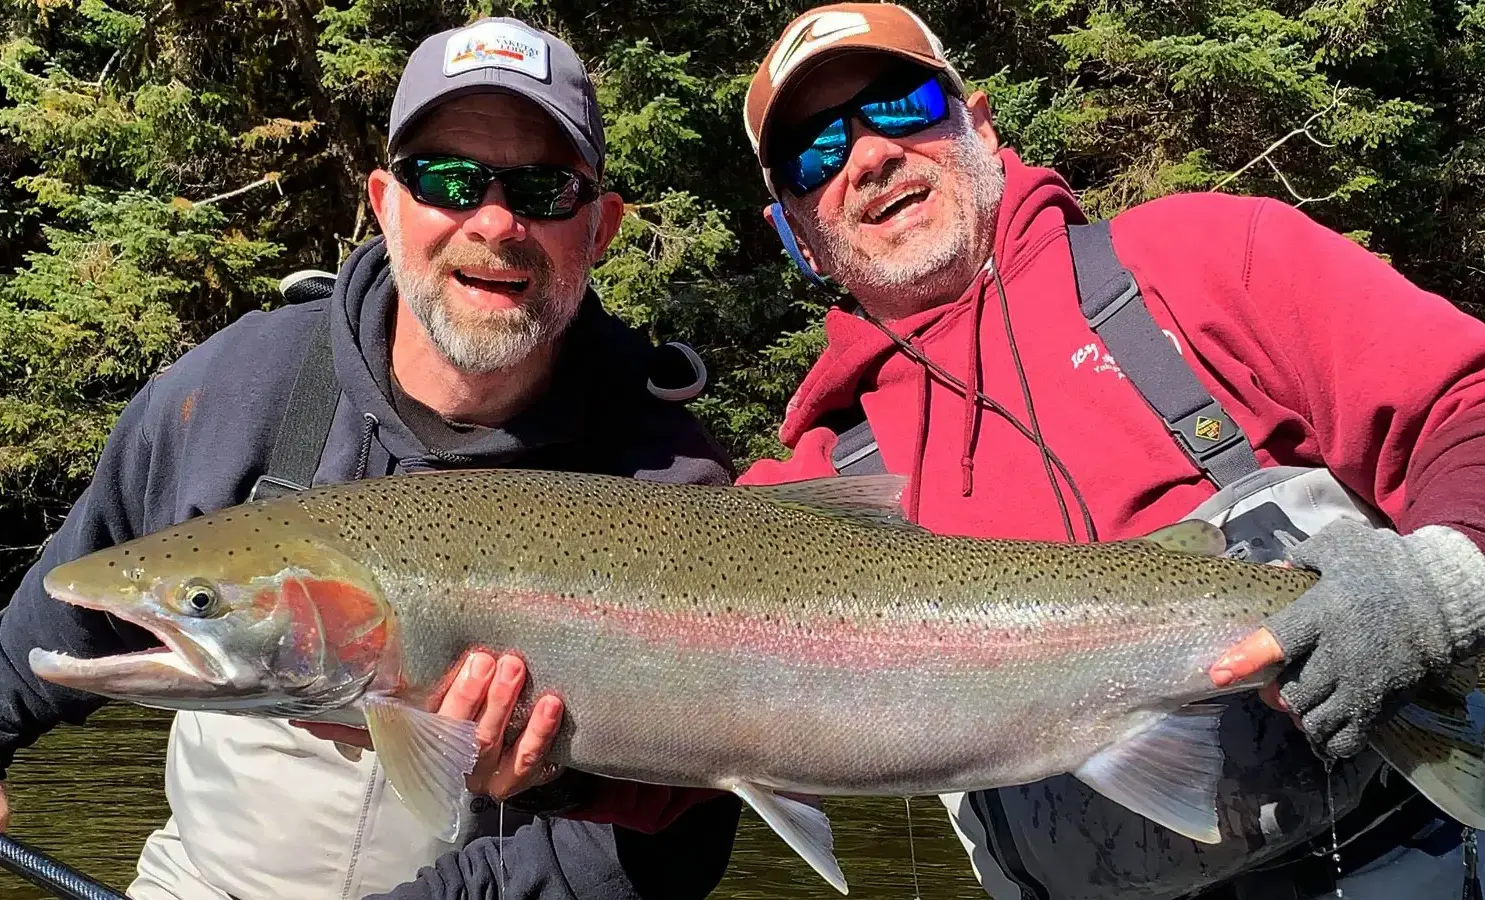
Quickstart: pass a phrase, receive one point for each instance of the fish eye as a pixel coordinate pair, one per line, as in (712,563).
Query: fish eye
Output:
(198,598)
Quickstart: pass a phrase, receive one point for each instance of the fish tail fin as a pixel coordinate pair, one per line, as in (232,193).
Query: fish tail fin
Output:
(1438,743)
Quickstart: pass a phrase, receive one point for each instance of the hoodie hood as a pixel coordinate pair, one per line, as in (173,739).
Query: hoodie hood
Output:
(599,356)
(1035,208)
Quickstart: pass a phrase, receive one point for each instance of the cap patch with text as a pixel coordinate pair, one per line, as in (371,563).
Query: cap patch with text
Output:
(498,45)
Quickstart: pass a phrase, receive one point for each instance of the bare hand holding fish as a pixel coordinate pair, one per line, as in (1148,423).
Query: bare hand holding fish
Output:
(485,692)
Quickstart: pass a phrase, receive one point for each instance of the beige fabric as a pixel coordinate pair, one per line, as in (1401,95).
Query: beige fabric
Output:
(263,810)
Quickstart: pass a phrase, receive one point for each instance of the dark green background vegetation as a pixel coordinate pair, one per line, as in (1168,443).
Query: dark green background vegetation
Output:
(164,162)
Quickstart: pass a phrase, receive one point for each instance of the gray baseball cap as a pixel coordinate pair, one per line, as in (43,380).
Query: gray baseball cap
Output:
(501,55)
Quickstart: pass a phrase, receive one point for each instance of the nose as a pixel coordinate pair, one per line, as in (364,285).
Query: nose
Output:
(492,222)
(870,154)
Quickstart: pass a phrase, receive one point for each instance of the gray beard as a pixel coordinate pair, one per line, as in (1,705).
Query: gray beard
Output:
(949,262)
(479,342)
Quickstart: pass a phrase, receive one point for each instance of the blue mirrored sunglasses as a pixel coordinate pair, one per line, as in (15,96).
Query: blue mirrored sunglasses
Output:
(921,107)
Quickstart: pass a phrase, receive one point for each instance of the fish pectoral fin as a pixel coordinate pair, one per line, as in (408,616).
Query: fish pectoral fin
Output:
(802,827)
(868,499)
(426,757)
(1194,536)
(1438,743)
(1167,772)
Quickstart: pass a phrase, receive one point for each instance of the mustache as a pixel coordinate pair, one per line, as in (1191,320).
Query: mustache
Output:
(505,256)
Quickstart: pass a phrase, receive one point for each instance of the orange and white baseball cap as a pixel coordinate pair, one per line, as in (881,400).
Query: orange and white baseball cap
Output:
(828,31)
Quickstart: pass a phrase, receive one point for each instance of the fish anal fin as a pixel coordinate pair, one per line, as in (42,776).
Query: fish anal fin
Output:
(803,827)
(869,499)
(1166,772)
(1438,743)
(426,757)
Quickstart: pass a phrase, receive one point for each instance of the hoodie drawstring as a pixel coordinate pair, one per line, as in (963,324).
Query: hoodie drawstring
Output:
(921,450)
(369,425)
(971,396)
(976,398)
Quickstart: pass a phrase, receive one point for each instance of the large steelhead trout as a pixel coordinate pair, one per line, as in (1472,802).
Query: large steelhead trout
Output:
(797,638)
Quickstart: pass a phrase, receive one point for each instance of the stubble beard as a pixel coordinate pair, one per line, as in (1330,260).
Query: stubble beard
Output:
(479,341)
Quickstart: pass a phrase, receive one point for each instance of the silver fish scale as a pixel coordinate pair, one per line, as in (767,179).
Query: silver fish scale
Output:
(697,632)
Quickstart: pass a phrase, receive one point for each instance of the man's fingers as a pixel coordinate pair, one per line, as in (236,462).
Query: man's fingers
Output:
(1252,655)
(467,694)
(524,765)
(1269,694)
(500,702)
(1350,740)
(4,809)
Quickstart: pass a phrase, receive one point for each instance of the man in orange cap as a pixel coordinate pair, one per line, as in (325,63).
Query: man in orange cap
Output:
(1201,355)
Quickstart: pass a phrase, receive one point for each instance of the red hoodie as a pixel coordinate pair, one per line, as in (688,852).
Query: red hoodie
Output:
(1318,349)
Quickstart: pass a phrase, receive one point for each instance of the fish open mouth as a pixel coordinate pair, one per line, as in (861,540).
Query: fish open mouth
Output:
(155,674)
(181,669)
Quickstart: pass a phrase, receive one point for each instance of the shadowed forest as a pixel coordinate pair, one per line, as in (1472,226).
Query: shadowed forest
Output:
(163,164)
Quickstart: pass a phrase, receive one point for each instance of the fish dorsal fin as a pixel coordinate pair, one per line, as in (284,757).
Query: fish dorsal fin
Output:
(1167,772)
(426,757)
(1193,536)
(802,827)
(868,499)
(1438,743)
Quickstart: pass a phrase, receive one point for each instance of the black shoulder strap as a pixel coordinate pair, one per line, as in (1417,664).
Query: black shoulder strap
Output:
(1116,311)
(305,425)
(856,451)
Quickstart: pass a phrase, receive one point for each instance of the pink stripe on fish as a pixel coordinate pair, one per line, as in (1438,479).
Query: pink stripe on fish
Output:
(837,640)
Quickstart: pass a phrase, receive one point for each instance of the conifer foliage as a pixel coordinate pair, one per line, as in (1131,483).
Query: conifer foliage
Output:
(164,162)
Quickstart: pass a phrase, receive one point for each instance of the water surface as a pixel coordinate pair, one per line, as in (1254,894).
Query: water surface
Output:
(90,796)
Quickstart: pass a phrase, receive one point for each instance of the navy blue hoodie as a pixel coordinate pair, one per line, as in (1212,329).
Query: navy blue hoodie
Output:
(199,435)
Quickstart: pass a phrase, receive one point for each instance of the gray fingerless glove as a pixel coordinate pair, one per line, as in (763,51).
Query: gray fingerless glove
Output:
(1388,610)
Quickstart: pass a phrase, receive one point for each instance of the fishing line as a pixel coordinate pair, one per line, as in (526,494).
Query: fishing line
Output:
(912,853)
(500,851)
(1335,845)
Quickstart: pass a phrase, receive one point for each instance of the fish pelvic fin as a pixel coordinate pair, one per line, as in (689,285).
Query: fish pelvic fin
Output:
(426,757)
(867,499)
(802,827)
(1193,536)
(1166,772)
(1437,742)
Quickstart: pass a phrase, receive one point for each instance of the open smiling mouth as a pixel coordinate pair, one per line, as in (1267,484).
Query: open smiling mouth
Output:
(510,285)
(897,205)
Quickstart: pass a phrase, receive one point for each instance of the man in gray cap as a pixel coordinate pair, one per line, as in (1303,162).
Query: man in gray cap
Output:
(465,336)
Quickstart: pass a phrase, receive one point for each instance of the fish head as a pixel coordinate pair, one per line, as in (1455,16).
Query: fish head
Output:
(258,615)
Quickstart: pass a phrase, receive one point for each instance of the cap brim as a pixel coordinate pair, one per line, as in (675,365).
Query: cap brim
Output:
(575,135)
(792,79)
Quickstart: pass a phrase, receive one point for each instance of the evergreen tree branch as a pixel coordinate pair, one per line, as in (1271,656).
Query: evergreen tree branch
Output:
(1301,130)
(271,178)
(97,84)
(1296,194)
(346,141)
